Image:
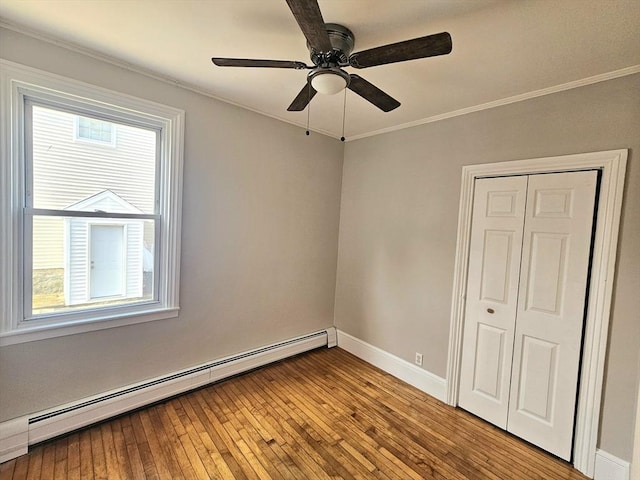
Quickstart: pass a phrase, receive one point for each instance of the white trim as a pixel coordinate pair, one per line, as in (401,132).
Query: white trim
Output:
(14,438)
(612,164)
(332,337)
(16,434)
(19,81)
(149,73)
(623,72)
(421,379)
(85,205)
(434,118)
(61,329)
(610,467)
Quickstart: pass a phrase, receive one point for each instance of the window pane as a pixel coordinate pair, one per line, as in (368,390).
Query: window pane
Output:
(81,262)
(96,130)
(70,174)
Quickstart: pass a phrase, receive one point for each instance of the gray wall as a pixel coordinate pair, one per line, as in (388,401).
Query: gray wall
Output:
(260,233)
(259,246)
(398,226)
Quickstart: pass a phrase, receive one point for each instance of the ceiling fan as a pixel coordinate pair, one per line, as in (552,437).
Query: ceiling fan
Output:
(330,46)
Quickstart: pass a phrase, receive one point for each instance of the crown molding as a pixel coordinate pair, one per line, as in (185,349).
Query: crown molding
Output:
(603,77)
(633,69)
(74,47)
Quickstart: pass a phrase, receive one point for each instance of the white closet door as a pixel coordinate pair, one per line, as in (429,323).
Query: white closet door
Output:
(494,265)
(550,313)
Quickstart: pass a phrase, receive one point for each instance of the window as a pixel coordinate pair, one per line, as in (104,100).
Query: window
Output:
(95,130)
(90,236)
(79,261)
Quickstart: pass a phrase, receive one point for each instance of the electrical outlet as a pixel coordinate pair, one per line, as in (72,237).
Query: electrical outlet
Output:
(418,359)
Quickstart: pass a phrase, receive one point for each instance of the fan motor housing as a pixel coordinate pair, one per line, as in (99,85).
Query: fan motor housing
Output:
(342,40)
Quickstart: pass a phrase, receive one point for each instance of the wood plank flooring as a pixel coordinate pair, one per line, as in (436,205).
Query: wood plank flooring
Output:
(322,415)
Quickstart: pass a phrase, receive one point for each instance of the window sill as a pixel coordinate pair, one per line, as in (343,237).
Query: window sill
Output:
(28,332)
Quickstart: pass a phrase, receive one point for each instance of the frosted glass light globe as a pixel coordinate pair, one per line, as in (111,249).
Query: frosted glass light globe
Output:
(328,83)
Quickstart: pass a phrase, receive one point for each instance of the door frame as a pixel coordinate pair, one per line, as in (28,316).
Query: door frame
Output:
(612,164)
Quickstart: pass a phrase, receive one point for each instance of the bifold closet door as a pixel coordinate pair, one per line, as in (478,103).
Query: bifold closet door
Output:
(551,307)
(492,295)
(528,267)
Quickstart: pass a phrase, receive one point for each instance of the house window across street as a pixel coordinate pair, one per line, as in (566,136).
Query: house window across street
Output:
(95,130)
(93,233)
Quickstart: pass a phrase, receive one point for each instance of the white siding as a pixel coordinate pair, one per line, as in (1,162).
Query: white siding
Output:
(67,171)
(49,250)
(134,259)
(77,271)
(78,274)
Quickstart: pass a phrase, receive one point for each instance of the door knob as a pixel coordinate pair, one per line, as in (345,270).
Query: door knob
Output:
(491,311)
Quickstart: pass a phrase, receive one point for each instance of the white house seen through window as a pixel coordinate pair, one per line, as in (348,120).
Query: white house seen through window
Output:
(91,234)
(81,261)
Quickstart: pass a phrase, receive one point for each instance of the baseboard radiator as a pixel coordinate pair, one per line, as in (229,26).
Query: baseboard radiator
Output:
(17,434)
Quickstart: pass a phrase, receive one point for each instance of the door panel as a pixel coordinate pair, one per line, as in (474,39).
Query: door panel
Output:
(538,378)
(494,263)
(550,313)
(547,271)
(107,261)
(496,266)
(490,347)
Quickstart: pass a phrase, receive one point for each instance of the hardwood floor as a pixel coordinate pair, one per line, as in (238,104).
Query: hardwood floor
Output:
(324,414)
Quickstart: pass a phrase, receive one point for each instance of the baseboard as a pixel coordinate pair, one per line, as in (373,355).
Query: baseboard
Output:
(14,438)
(406,371)
(17,434)
(609,467)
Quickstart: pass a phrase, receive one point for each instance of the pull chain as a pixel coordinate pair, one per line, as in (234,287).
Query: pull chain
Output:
(344,113)
(308,106)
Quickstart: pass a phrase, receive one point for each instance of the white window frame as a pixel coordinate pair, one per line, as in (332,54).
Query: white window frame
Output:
(17,83)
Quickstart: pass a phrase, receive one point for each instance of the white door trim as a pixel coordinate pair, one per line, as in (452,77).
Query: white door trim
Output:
(612,164)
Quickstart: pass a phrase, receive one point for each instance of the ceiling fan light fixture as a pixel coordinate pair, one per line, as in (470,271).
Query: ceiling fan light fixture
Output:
(330,46)
(329,81)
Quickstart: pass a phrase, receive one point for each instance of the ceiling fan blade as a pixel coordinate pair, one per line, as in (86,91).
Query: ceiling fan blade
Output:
(373,94)
(429,46)
(302,99)
(307,14)
(246,62)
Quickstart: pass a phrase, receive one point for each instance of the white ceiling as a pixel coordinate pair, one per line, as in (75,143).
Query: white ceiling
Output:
(501,48)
